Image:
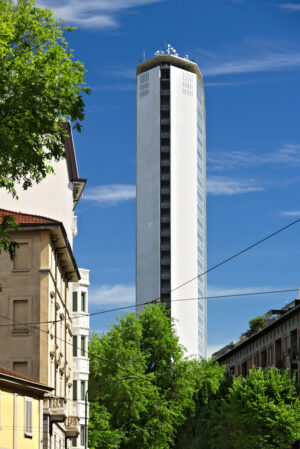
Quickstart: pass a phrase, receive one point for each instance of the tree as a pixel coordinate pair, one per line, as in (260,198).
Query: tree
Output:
(143,413)
(258,412)
(211,383)
(41,85)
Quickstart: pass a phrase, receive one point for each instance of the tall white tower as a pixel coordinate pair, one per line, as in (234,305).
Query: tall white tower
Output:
(171,193)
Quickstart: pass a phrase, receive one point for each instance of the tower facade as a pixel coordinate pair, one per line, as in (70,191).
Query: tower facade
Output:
(171,193)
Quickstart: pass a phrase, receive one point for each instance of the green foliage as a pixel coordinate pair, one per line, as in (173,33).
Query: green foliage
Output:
(258,412)
(6,244)
(142,413)
(41,85)
(211,382)
(255,325)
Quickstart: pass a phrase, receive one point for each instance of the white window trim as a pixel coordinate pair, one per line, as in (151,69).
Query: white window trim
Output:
(28,417)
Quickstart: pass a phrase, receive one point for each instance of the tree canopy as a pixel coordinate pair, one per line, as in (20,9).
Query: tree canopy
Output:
(41,86)
(258,412)
(145,412)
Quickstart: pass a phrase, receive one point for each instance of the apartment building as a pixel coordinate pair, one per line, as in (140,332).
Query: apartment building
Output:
(80,330)
(21,411)
(36,289)
(277,344)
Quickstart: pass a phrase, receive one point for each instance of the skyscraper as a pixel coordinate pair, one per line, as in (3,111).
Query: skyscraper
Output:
(171,193)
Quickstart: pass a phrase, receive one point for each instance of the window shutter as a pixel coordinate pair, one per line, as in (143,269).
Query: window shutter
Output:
(28,416)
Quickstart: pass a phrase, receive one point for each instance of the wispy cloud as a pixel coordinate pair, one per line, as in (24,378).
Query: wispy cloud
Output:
(226,186)
(261,57)
(113,295)
(290,6)
(111,194)
(289,154)
(215,290)
(293,213)
(93,13)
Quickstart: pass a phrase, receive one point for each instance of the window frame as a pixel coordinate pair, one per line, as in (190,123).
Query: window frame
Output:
(82,346)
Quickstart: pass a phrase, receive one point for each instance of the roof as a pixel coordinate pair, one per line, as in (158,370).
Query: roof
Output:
(9,377)
(172,60)
(22,218)
(266,329)
(58,231)
(79,183)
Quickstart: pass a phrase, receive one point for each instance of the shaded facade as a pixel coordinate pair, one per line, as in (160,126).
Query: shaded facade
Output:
(277,344)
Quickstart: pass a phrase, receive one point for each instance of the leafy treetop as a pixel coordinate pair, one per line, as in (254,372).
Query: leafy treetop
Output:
(41,85)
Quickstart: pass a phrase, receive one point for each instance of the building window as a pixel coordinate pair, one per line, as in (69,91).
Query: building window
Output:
(28,417)
(82,435)
(74,442)
(20,315)
(74,345)
(75,305)
(82,390)
(74,390)
(83,302)
(21,259)
(82,346)
(21,368)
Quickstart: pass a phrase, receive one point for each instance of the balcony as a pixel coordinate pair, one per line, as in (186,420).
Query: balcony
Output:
(72,427)
(56,407)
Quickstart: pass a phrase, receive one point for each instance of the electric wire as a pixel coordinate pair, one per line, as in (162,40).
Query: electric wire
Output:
(228,259)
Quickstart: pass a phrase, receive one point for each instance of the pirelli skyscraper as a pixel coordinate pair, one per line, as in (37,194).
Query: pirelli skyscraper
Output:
(171,193)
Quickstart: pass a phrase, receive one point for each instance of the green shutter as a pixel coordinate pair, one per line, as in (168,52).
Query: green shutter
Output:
(75,390)
(74,345)
(82,301)
(75,306)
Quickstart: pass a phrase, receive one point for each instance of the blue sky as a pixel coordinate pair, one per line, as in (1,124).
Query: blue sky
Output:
(249,54)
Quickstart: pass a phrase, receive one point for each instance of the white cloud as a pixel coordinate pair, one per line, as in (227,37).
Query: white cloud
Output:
(290,6)
(294,213)
(288,154)
(226,186)
(92,13)
(111,194)
(250,56)
(113,295)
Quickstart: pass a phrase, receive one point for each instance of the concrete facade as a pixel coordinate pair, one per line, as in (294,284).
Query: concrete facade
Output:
(171,194)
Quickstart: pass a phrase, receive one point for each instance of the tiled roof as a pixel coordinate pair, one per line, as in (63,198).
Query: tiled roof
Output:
(9,372)
(22,218)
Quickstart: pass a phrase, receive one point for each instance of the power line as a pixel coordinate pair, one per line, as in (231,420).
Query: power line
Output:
(181,285)
(239,253)
(231,295)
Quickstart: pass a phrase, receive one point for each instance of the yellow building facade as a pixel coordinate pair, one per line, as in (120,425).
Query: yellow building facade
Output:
(21,411)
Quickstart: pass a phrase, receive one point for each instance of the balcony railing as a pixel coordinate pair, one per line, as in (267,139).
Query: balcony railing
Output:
(72,427)
(57,408)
